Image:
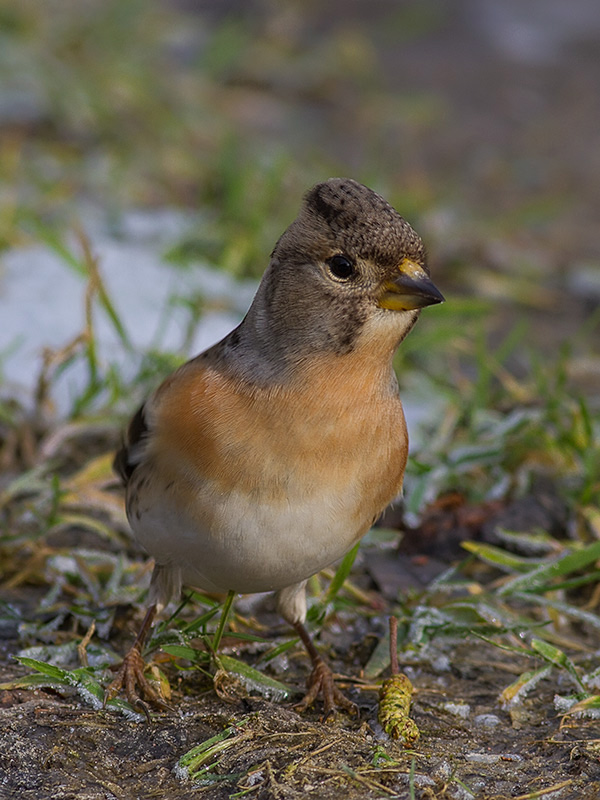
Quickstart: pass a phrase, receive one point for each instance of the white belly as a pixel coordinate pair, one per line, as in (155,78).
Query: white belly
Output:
(247,547)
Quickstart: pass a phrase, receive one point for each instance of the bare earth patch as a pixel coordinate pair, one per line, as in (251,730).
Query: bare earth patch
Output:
(52,747)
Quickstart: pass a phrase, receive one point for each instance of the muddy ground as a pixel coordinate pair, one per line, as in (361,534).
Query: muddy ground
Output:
(52,747)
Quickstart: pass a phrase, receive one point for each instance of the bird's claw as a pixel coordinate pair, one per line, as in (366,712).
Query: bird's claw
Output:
(130,675)
(321,682)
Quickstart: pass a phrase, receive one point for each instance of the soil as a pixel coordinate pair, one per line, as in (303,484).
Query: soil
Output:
(52,747)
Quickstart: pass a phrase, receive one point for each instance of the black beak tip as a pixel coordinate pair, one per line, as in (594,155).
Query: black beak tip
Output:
(437,296)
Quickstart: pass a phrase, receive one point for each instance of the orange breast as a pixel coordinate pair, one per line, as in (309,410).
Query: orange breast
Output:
(339,423)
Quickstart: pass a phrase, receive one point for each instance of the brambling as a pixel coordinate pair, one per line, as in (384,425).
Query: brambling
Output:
(268,456)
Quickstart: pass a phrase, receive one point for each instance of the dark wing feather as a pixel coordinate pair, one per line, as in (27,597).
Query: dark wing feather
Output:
(123,464)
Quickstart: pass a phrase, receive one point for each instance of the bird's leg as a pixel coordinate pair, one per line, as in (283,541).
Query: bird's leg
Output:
(321,681)
(131,672)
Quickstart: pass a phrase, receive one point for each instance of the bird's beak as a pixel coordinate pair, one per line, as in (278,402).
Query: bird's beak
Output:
(412,289)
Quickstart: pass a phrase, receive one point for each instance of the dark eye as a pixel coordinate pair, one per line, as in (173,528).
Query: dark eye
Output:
(341,267)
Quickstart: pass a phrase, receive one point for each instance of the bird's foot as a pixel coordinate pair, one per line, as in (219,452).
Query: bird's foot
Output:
(321,682)
(130,675)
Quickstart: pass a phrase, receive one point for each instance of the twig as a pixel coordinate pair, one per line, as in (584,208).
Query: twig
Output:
(82,646)
(394,645)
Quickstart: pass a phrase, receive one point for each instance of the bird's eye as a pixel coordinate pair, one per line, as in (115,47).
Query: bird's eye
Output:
(341,267)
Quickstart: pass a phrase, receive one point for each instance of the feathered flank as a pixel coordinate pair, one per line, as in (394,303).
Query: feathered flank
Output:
(137,431)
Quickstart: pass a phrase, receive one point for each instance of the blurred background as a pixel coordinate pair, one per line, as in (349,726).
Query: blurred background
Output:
(178,137)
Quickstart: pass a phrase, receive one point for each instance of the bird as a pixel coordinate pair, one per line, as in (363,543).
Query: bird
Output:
(268,456)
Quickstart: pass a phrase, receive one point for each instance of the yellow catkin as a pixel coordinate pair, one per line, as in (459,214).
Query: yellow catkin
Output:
(394,709)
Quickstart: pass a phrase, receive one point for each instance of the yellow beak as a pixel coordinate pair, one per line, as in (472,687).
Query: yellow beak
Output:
(413,288)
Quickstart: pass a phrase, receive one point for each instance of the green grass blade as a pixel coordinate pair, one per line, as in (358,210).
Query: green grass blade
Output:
(564,608)
(342,573)
(555,656)
(571,562)
(254,680)
(49,670)
(498,557)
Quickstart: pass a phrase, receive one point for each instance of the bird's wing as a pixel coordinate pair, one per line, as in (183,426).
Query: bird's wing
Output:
(127,456)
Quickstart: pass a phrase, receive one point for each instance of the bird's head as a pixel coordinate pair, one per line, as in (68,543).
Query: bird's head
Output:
(347,267)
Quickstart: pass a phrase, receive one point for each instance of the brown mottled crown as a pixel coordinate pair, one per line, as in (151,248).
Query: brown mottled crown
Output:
(363,221)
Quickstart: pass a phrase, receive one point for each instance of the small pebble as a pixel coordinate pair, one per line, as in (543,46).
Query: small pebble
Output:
(482,758)
(442,771)
(461,710)
(477,785)
(584,280)
(487,720)
(492,758)
(441,664)
(421,781)
(457,792)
